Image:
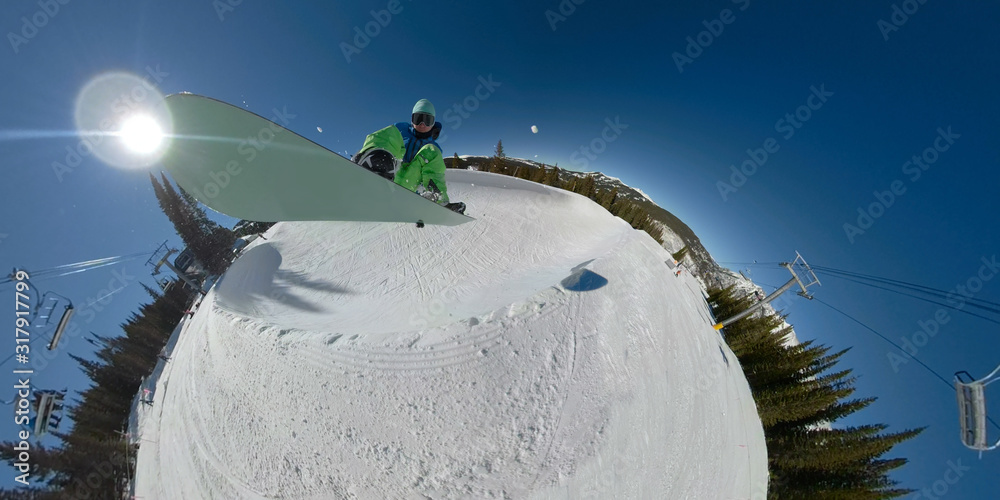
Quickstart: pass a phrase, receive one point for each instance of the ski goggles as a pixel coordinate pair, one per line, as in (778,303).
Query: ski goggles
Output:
(423,119)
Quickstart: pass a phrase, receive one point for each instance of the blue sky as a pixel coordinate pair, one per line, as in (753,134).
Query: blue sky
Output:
(867,85)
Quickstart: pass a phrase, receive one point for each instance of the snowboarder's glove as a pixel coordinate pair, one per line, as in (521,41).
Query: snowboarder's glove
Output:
(432,192)
(434,196)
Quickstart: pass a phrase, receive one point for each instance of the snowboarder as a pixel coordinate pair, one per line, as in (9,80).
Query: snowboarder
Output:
(408,154)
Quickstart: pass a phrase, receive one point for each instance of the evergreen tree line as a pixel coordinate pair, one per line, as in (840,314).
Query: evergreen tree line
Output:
(95,460)
(631,212)
(799,393)
(680,254)
(210,243)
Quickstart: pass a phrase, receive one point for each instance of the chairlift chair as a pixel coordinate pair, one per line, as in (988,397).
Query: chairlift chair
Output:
(48,410)
(61,327)
(48,406)
(45,312)
(972,409)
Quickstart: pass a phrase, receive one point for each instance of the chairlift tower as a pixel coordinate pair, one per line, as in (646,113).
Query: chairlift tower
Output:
(165,260)
(802,275)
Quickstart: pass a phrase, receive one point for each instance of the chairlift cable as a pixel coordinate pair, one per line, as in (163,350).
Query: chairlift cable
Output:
(950,385)
(883,337)
(942,304)
(969,301)
(86,265)
(75,271)
(116,290)
(904,284)
(981,303)
(83,266)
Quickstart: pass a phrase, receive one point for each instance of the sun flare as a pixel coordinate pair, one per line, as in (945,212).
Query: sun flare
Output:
(141,134)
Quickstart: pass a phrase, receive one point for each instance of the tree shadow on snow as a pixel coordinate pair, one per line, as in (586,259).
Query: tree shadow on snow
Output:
(257,277)
(302,280)
(286,282)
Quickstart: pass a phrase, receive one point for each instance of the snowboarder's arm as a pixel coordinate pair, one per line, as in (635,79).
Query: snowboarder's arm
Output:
(389,139)
(432,169)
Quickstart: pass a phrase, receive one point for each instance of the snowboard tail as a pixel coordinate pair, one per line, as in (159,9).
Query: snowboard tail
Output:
(245,166)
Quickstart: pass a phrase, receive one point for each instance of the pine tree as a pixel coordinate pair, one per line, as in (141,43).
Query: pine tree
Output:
(539,174)
(680,254)
(498,164)
(219,239)
(798,399)
(247,227)
(526,172)
(587,187)
(208,241)
(552,178)
(607,198)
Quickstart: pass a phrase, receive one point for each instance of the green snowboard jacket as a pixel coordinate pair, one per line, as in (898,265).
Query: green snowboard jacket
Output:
(422,159)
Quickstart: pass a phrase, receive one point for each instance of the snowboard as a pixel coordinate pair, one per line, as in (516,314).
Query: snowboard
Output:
(243,165)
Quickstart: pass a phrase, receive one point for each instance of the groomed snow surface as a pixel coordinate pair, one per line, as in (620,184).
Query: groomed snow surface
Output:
(544,350)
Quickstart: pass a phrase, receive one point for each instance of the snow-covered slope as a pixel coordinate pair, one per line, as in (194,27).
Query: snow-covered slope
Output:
(676,231)
(545,350)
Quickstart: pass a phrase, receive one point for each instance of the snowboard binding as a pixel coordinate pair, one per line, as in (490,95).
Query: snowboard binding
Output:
(434,194)
(378,161)
(431,192)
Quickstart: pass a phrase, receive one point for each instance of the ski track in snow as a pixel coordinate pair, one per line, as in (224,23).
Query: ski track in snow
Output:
(541,351)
